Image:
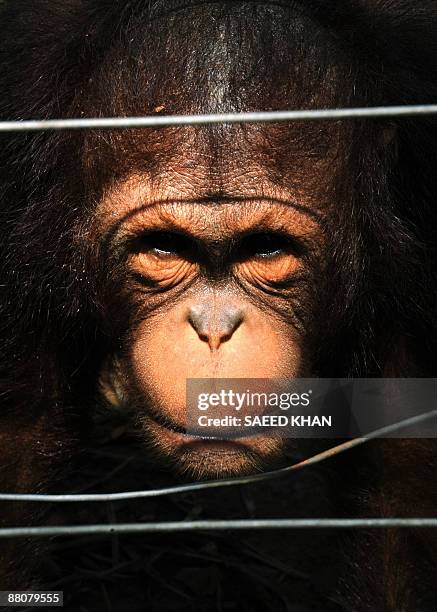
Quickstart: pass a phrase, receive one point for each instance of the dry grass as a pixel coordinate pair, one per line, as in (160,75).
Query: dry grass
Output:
(268,571)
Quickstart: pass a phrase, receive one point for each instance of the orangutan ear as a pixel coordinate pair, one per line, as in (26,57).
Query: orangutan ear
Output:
(110,385)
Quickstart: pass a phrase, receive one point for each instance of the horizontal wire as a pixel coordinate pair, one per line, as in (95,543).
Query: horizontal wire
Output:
(213,484)
(214,525)
(211,119)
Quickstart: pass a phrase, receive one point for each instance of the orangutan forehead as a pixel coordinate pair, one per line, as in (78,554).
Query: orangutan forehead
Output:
(236,57)
(282,154)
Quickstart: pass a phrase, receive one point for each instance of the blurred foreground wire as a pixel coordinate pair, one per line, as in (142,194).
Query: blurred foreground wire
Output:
(200,486)
(246,524)
(378,112)
(218,525)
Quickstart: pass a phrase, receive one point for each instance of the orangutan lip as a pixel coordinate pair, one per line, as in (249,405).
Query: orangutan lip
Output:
(174,427)
(178,429)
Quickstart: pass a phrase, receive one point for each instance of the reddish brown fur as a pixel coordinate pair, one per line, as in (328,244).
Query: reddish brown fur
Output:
(94,306)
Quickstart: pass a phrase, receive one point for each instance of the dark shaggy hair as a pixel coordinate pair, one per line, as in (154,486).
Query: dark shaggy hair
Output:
(377,303)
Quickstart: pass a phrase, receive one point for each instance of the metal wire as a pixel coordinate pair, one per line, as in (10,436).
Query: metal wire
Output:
(213,484)
(211,119)
(221,525)
(241,525)
(217,525)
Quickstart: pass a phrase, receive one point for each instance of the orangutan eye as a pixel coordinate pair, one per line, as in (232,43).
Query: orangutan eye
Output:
(264,244)
(162,259)
(165,244)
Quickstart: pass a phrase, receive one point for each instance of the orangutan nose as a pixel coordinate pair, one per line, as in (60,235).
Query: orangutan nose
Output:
(215,323)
